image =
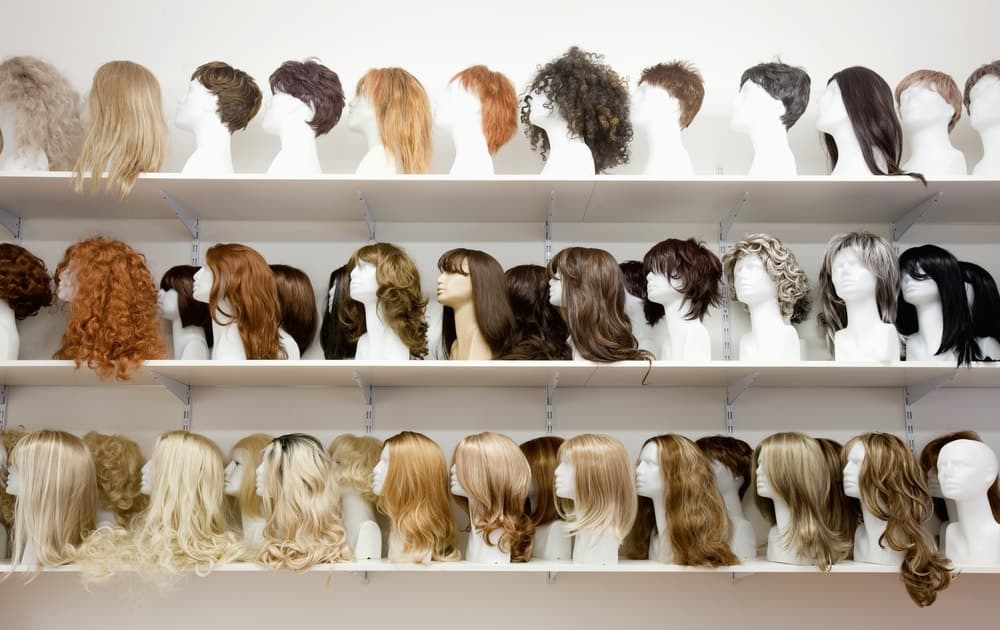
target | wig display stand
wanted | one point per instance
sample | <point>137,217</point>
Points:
<point>368,395</point>
<point>13,224</point>
<point>182,392</point>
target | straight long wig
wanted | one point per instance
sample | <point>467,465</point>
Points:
<point>489,299</point>
<point>298,304</point>
<point>541,329</point>
<point>842,519</point>
<point>333,337</point>
<point>984,303</point>
<point>403,113</point>
<point>542,454</point>
<point>605,486</point>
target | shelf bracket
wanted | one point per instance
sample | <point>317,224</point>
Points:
<point>13,224</point>
<point>901,225</point>
<point>552,576</point>
<point>368,395</point>
<point>549,212</point>
<point>724,226</point>
<point>191,222</point>
<point>914,393</point>
<point>183,393</point>
<point>727,221</point>
<point>364,576</point>
<point>550,402</point>
<point>3,408</point>
<point>733,391</point>
<point>368,215</point>
<point>738,576</point>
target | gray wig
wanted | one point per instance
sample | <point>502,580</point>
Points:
<point>785,83</point>
<point>781,266</point>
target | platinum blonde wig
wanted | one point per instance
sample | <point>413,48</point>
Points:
<point>251,450</point>
<point>353,458</point>
<point>605,485</point>
<point>781,266</point>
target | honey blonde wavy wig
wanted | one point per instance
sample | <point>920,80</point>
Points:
<point>605,485</point>
<point>403,113</point>
<point>353,458</point>
<point>118,462</point>
<point>251,450</point>
<point>781,266</point>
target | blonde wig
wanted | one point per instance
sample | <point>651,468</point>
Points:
<point>605,485</point>
<point>495,474</point>
<point>698,525</point>
<point>543,456</point>
<point>57,504</point>
<point>251,448</point>
<point>118,462</point>
<point>301,505</point>
<point>498,99</point>
<point>415,498</point>
<point>782,267</point>
<point>127,133</point>
<point>9,439</point>
<point>47,110</point>
<point>797,471</point>
<point>403,113</point>
<point>354,457</point>
<point>893,489</point>
<point>938,82</point>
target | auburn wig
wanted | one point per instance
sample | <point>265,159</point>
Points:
<point>542,331</point>
<point>298,304</point>
<point>782,267</point>
<point>542,454</point>
<point>894,490</point>
<point>605,486</point>
<point>928,462</point>
<point>24,281</point>
<point>315,85</point>
<point>237,93</point>
<point>733,453</point>
<point>938,82</point>
<point>985,303</point>
<point>591,98</point>
<point>127,133</point>
<point>251,450</point>
<point>353,458</point>
<point>698,269</point>
<point>842,519</point>
<point>415,498</point>
<point>593,305</point>
<point>494,316</point>
<point>47,109</point>
<point>118,462</point>
<point>403,114</point>
<point>113,317</point>
<point>987,69</point>
<point>495,474</point>
<point>8,439</point>
<point>400,301</point>
<point>682,81</point>
<point>784,83</point>
<point>333,337</point>
<point>180,278</point>
<point>498,99</point>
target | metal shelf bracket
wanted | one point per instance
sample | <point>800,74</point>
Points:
<point>550,402</point>
<point>364,576</point>
<point>914,393</point>
<point>190,221</point>
<point>733,391</point>
<point>549,212</point>
<point>727,222</point>
<point>3,408</point>
<point>13,224</point>
<point>901,225</point>
<point>552,577</point>
<point>368,215</point>
<point>368,395</point>
<point>182,391</point>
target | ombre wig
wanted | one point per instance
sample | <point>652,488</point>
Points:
<point>353,458</point>
<point>498,100</point>
<point>605,486</point>
<point>781,266</point>
<point>118,462</point>
<point>489,299</point>
<point>403,114</point>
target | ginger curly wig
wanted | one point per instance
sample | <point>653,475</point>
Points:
<point>24,281</point>
<point>119,474</point>
<point>114,322</point>
<point>593,100</point>
<point>781,266</point>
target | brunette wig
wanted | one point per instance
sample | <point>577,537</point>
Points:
<point>315,85</point>
<point>985,304</point>
<point>336,343</point>
<point>841,517</point>
<point>237,93</point>
<point>403,113</point>
<point>543,333</point>
<point>635,284</point>
<point>591,98</point>
<point>939,82</point>
<point>180,278</point>
<point>498,99</point>
<point>991,69</point>
<point>699,270</point>
<point>785,83</point>
<point>24,281</point>
<point>489,298</point>
<point>247,285</point>
<point>732,453</point>
<point>682,81</point>
<point>400,300</point>
<point>928,462</point>
<point>937,264</point>
<point>113,318</point>
<point>298,304</point>
<point>543,457</point>
<point>781,266</point>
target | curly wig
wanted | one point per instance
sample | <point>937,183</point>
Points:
<point>247,286</point>
<point>298,304</point>
<point>237,93</point>
<point>251,448</point>
<point>987,69</point>
<point>489,298</point>
<point>697,267</point>
<point>591,98</point>
<point>785,83</point>
<point>498,98</point>
<point>315,85</point>
<point>47,107</point>
<point>127,133</point>
<point>928,462</point>
<point>113,319</point>
<point>180,278</point>
<point>938,82</point>
<point>24,281</point>
<point>543,456</point>
<point>118,461</point>
<point>333,337</point>
<point>605,486</point>
<point>400,301</point>
<point>682,81</point>
<point>403,113</point>
<point>733,453</point>
<point>542,331</point>
<point>9,439</point>
<point>781,266</point>
<point>354,457</point>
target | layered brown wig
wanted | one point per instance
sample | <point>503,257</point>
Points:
<point>180,278</point>
<point>333,337</point>
<point>489,298</point>
<point>315,85</point>
<point>697,267</point>
<point>543,456</point>
<point>541,330</point>
<point>939,82</point>
<point>118,461</point>
<point>24,281</point>
<point>781,266</point>
<point>237,93</point>
<point>733,453</point>
<point>992,68</point>
<point>298,304</point>
<point>591,98</point>
<point>841,517</point>
<point>682,81</point>
<point>635,284</point>
<point>928,462</point>
<point>403,113</point>
<point>113,317</point>
<point>498,98</point>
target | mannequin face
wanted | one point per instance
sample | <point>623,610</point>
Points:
<point>456,104</point>
<point>921,107</point>
<point>456,487</point>
<point>204,278</point>
<point>380,471</point>
<point>653,103</point>
<point>565,480</point>
<point>832,112</point>
<point>541,114</point>
<point>454,289</point>
<point>663,289</point>
<point>198,104</point>
<point>852,279</point>
<point>754,104</point>
<point>752,281</point>
<point>283,109</point>
<point>725,479</point>
<point>260,475</point>
<point>852,470</point>
<point>556,290</point>
<point>146,478</point>
<point>984,103</point>
<point>648,477</point>
<point>167,301</point>
<point>966,469</point>
<point>67,285</point>
<point>13,481</point>
<point>364,286</point>
<point>360,113</point>
<point>234,472</point>
<point>764,487</point>
<point>919,292</point>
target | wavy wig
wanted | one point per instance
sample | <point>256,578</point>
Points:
<point>542,332</point>
<point>118,462</point>
<point>842,519</point>
<point>403,114</point>
<point>542,454</point>
<point>784,83</point>
<point>333,337</point>
<point>782,267</point>
<point>494,315</point>
<point>24,281</point>
<point>682,81</point>
<point>237,93</point>
<point>315,85</point>
<point>928,462</point>
<point>698,269</point>
<point>250,450</point>
<point>605,486</point>
<point>353,458</point>
<point>987,69</point>
<point>180,278</point>
<point>498,99</point>
<point>938,82</point>
<point>733,453</point>
<point>298,304</point>
<point>985,302</point>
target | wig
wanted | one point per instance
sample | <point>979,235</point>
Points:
<point>180,278</point>
<point>494,316</point>
<point>403,113</point>
<point>298,304</point>
<point>301,505</point>
<point>56,506</point>
<point>9,439</point>
<point>315,85</point>
<point>543,333</point>
<point>498,98</point>
<point>237,93</point>
<point>698,269</point>
<point>930,262</point>
<point>543,456</point>
<point>47,108</point>
<point>605,486</point>
<point>987,69</point>
<point>126,134</point>
<point>782,267</point>
<point>635,284</point>
<point>797,470</point>
<point>894,490</point>
<point>928,462</point>
<point>332,335</point>
<point>591,98</point>
<point>415,498</point>
<point>400,301</point>
<point>985,304</point>
<point>698,525</point>
<point>113,319</point>
<point>841,518</point>
<point>252,447</point>
<point>938,82</point>
<point>24,281</point>
<point>784,83</point>
<point>353,458</point>
<point>247,286</point>
<point>682,81</point>
<point>878,256</point>
<point>732,453</point>
<point>593,305</point>
<point>118,462</point>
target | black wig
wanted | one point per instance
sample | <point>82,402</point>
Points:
<point>985,303</point>
<point>332,336</point>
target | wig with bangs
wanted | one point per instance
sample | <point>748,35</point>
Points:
<point>543,456</point>
<point>353,458</point>
<point>315,85</point>
<point>24,281</point>
<point>605,486</point>
<point>333,336</point>
<point>494,316</point>
<point>298,304</point>
<point>938,82</point>
<point>118,462</point>
<point>180,278</point>
<point>498,100</point>
<point>682,81</point>
<point>781,266</point>
<point>403,114</point>
<point>733,453</point>
<point>698,269</point>
<point>542,331</point>
<point>251,450</point>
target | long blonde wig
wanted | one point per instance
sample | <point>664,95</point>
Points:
<point>353,458</point>
<point>403,113</point>
<point>118,462</point>
<point>252,449</point>
<point>301,505</point>
<point>605,485</point>
<point>415,498</point>
<point>126,133</point>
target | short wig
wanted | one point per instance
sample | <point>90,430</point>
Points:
<point>782,267</point>
<point>542,454</point>
<point>118,462</point>
<point>47,109</point>
<point>605,486</point>
<point>315,85</point>
<point>733,453</point>
<point>987,69</point>
<point>542,331</point>
<point>237,93</point>
<point>498,98</point>
<point>939,82</point>
<point>928,462</point>
<point>180,278</point>
<point>298,304</point>
<point>785,83</point>
<point>489,298</point>
<point>682,81</point>
<point>697,267</point>
<point>24,281</point>
<point>985,305</point>
<point>591,98</point>
<point>354,458</point>
<point>333,336</point>
<point>403,114</point>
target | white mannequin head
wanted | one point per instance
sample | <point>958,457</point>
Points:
<point>199,104</point>
<point>234,472</point>
<point>752,282</point>
<point>984,103</point>
<point>13,481</point>
<point>364,285</point>
<point>921,107</point>
<point>167,301</point>
<point>851,277</point>
<point>361,114</point>
<point>852,470</point>
<point>455,289</point>
<point>555,290</point>
<point>380,471</point>
<point>832,115</point>
<point>662,289</point>
<point>724,478</point>
<point>764,487</point>
<point>67,285</point>
<point>919,292</point>
<point>456,486</point>
<point>565,480</point>
<point>648,476</point>
<point>260,472</point>
<point>653,103</point>
<point>543,112</point>
<point>753,103</point>
<point>284,110</point>
<point>966,469</point>
<point>203,279</point>
<point>146,478</point>
<point>457,105</point>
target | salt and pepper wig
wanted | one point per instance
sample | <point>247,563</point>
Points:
<point>353,458</point>
<point>542,454</point>
<point>315,85</point>
<point>782,267</point>
<point>605,486</point>
<point>403,113</point>
<point>938,82</point>
<point>489,298</point>
<point>113,319</point>
<point>784,83</point>
<point>682,81</point>
<point>237,93</point>
<point>333,336</point>
<point>251,448</point>
<point>987,69</point>
<point>126,133</point>
<point>591,98</point>
<point>118,462</point>
<point>498,100</point>
<point>697,267</point>
<point>928,462</point>
<point>180,278</point>
<point>542,331</point>
<point>733,453</point>
<point>985,303</point>
<point>24,281</point>
<point>298,304</point>
<point>47,109</point>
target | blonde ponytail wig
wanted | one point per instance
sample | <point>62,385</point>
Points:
<point>252,448</point>
<point>403,113</point>
<point>353,458</point>
<point>118,462</point>
<point>605,485</point>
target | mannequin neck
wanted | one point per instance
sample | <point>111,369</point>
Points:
<point>770,143</point>
<point>227,343</point>
<point>675,315</point>
<point>972,515</point>
<point>930,323</point>
<point>211,134</point>
<point>991,144</point>
<point>660,511</point>
<point>471,147</point>
<point>7,319</point>
<point>765,315</point>
<point>731,497</point>
<point>930,140</point>
<point>850,158</point>
<point>782,516</point>
<point>253,530</point>
<point>862,313</point>
<point>666,149</point>
<point>298,137</point>
<point>356,510</point>
<point>469,342</point>
<point>213,153</point>
<point>568,154</point>
<point>874,526</point>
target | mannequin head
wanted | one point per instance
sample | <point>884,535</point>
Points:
<point>176,299</point>
<point>594,472</point>
<point>928,97</point>
<point>333,336</point>
<point>310,83</point>
<point>298,304</point>
<point>117,461</point>
<point>842,518</point>
<point>403,114</point>
<point>967,469</point>
<point>543,456</point>
<point>8,439</point>
<point>353,458</point>
<point>46,107</point>
<point>984,300</point>
<point>730,460</point>
<point>593,100</point>
<point>487,93</point>
<point>127,132</point>
<point>220,89</point>
<point>24,281</point>
<point>928,462</point>
<point>472,275</point>
<point>770,90</point>
<point>396,286</point>
<point>635,286</point>
<point>684,88</point>
<point>241,482</point>
<point>113,321</point>
<point>538,322</point>
<point>759,267</point>
<point>683,270</point>
<point>982,96</point>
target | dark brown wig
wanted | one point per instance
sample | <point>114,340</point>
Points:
<point>314,84</point>
<point>543,458</point>
<point>732,453</point>
<point>542,332</point>
<point>843,519</point>
<point>24,281</point>
<point>180,278</point>
<point>785,83</point>
<point>635,284</point>
<point>298,304</point>
<point>489,298</point>
<point>697,267</point>
<point>929,459</point>
<point>682,81</point>
<point>238,95</point>
<point>336,343</point>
